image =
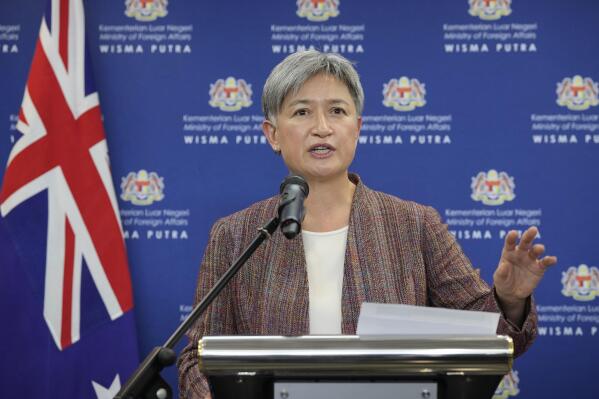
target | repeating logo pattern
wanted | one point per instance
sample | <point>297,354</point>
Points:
<point>142,188</point>
<point>404,94</point>
<point>317,10</point>
<point>508,386</point>
<point>493,188</point>
<point>146,10</point>
<point>490,10</point>
<point>581,283</point>
<point>577,94</point>
<point>230,94</point>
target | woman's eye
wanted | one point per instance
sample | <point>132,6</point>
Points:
<point>301,112</point>
<point>339,111</point>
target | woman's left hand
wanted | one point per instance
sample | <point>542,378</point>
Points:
<point>520,270</point>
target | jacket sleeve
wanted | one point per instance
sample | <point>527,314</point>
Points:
<point>218,319</point>
<point>453,283</point>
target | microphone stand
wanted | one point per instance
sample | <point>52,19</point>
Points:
<point>146,381</point>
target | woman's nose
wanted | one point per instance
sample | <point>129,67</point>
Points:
<point>322,127</point>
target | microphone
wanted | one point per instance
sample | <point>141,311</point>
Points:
<point>294,191</point>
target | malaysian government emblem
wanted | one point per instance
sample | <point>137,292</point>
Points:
<point>146,10</point>
<point>508,386</point>
<point>490,10</point>
<point>577,94</point>
<point>142,188</point>
<point>230,94</point>
<point>404,94</point>
<point>581,283</point>
<point>317,10</point>
<point>492,188</point>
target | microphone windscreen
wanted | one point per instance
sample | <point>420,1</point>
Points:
<point>295,179</point>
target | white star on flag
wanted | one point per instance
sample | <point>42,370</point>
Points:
<point>110,393</point>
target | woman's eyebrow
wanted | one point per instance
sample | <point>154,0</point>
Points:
<point>306,101</point>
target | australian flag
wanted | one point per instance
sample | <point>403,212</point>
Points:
<point>66,303</point>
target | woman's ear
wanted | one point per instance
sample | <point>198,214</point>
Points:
<point>270,131</point>
<point>359,127</point>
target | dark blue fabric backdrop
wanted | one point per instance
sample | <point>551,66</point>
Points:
<point>503,134</point>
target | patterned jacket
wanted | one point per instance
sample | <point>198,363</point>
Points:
<point>397,252</point>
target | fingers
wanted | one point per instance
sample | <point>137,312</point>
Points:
<point>548,261</point>
<point>510,240</point>
<point>536,251</point>
<point>527,238</point>
<point>525,241</point>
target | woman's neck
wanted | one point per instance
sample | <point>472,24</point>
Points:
<point>328,205</point>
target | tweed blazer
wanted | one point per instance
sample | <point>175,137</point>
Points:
<point>397,252</point>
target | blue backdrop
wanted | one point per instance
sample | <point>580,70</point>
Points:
<point>485,109</point>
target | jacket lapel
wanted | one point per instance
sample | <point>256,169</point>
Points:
<point>288,293</point>
<point>354,290</point>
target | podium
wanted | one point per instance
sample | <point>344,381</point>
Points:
<point>347,366</point>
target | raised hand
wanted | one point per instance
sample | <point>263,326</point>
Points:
<point>520,270</point>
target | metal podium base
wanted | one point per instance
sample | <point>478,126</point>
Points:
<point>315,367</point>
<point>358,390</point>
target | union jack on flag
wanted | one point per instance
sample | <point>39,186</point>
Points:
<point>57,187</point>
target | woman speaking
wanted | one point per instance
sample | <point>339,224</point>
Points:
<point>356,244</point>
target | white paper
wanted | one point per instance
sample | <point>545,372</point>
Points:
<point>394,319</point>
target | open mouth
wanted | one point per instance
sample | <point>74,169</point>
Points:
<point>321,149</point>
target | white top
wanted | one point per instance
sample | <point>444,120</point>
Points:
<point>325,257</point>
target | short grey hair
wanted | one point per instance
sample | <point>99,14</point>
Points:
<point>290,75</point>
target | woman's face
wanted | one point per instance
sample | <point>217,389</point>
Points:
<point>317,129</point>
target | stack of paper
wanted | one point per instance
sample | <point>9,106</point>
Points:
<point>393,319</point>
